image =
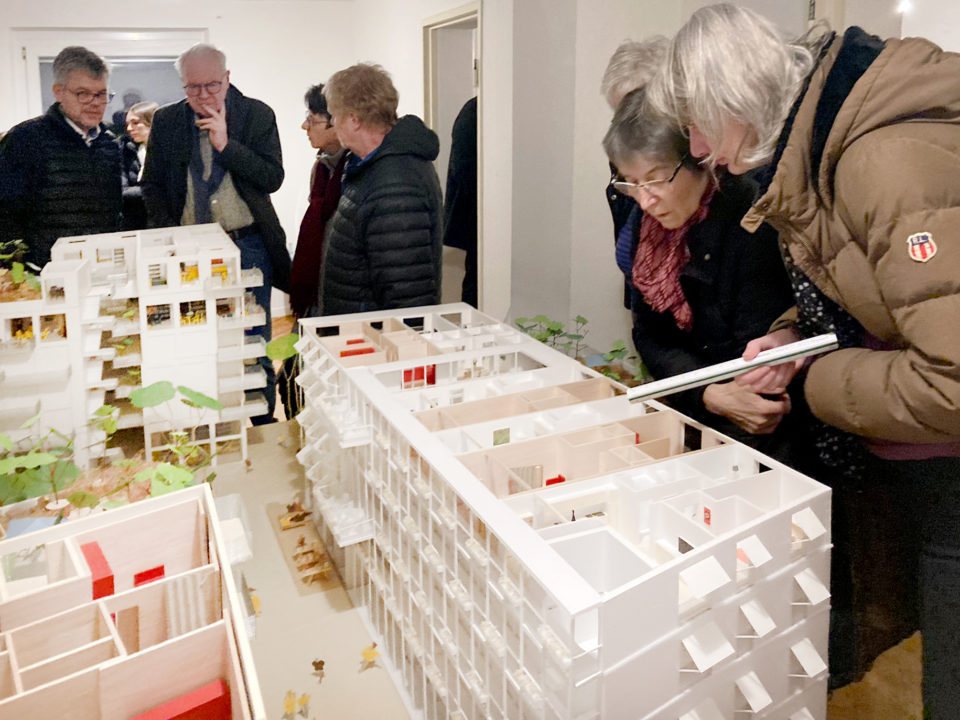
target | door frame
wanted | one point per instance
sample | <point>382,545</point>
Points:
<point>463,15</point>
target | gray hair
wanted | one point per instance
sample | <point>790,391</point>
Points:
<point>728,63</point>
<point>638,129</point>
<point>75,58</point>
<point>632,65</point>
<point>200,50</point>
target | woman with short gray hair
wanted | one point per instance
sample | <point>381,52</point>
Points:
<point>864,187</point>
<point>700,286</point>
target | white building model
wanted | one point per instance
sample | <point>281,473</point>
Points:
<point>128,614</point>
<point>120,311</point>
<point>529,544</point>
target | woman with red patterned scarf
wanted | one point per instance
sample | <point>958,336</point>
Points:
<point>701,286</point>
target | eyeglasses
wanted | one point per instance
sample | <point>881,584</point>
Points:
<point>212,88</point>
<point>651,186</point>
<point>313,119</point>
<point>85,97</point>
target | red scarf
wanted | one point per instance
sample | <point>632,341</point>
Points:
<point>661,255</point>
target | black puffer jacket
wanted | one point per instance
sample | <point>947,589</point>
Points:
<point>53,185</point>
<point>383,244</point>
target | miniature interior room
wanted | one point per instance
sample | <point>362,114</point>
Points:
<point>158,627</point>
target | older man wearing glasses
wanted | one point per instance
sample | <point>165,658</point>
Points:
<point>215,157</point>
<point>60,172</point>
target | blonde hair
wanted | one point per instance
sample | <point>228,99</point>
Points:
<point>365,90</point>
<point>144,111</point>
<point>631,66</point>
<point>729,63</point>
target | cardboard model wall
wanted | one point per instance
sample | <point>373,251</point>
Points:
<point>74,647</point>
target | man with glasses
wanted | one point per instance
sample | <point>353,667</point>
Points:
<point>60,172</point>
<point>215,157</point>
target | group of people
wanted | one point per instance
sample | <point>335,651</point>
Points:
<point>768,190</point>
<point>764,190</point>
<point>371,237</point>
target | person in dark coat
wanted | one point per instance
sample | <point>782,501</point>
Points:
<point>215,157</point>
<point>383,244</point>
<point>60,172</point>
<point>133,151</point>
<point>325,183</point>
<point>701,287</point>
<point>460,201</point>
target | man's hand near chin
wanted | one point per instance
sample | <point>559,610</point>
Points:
<point>215,122</point>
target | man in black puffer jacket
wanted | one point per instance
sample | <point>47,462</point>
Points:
<point>60,172</point>
<point>383,245</point>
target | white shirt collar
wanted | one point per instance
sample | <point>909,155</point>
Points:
<point>88,137</point>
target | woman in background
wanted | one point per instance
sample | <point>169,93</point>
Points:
<point>133,147</point>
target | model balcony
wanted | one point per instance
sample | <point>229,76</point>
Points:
<point>253,346</point>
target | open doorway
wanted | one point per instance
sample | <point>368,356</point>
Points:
<point>451,46</point>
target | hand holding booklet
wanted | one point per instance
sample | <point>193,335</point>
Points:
<point>731,368</point>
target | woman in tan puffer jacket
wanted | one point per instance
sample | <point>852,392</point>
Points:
<point>862,138</point>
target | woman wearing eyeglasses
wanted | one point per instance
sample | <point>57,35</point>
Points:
<point>701,287</point>
<point>862,137</point>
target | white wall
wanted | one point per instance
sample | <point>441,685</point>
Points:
<point>879,17</point>
<point>275,50</point>
<point>497,154</point>
<point>936,20</point>
<point>789,15</point>
<point>596,289</point>
<point>544,106</point>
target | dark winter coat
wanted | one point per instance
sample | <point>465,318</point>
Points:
<point>460,200</point>
<point>305,271</point>
<point>736,285</point>
<point>53,185</point>
<point>383,245</point>
<point>621,207</point>
<point>252,157</point>
<point>134,210</point>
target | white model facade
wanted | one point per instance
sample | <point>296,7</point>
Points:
<point>125,613</point>
<point>120,311</point>
<point>529,544</point>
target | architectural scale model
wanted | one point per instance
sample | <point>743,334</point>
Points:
<point>529,544</point>
<point>123,310</point>
<point>133,613</point>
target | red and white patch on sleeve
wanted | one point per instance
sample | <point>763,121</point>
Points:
<point>921,246</point>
